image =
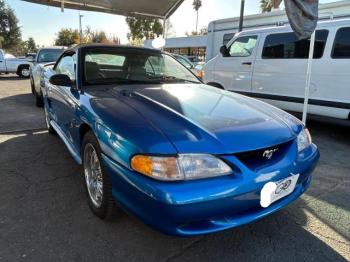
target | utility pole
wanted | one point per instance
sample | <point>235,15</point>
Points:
<point>80,28</point>
<point>240,28</point>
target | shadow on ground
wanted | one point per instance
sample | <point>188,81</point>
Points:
<point>19,112</point>
<point>11,77</point>
<point>45,216</point>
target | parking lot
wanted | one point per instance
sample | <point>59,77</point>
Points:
<point>44,214</point>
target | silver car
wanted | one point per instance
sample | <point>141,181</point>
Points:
<point>44,58</point>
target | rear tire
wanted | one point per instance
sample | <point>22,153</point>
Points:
<point>97,182</point>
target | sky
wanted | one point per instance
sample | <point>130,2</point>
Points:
<point>43,22</point>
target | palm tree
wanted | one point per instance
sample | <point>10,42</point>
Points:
<point>196,5</point>
<point>267,5</point>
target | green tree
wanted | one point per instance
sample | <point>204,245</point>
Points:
<point>267,5</point>
<point>91,36</point>
<point>67,37</point>
<point>143,28</point>
<point>31,45</point>
<point>196,5</point>
<point>10,32</point>
<point>203,31</point>
<point>99,37</point>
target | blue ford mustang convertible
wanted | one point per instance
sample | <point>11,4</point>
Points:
<point>184,157</point>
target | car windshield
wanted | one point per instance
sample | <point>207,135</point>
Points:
<point>49,55</point>
<point>133,66</point>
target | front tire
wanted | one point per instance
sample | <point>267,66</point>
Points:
<point>23,71</point>
<point>97,181</point>
<point>48,125</point>
<point>32,85</point>
<point>39,101</point>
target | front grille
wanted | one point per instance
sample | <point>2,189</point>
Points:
<point>264,157</point>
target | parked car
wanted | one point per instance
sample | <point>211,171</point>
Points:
<point>184,157</point>
<point>11,64</point>
<point>194,60</point>
<point>30,56</point>
<point>44,58</point>
<point>270,64</point>
<point>196,69</point>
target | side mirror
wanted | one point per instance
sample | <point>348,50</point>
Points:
<point>224,51</point>
<point>61,80</point>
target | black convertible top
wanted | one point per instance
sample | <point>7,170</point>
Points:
<point>84,47</point>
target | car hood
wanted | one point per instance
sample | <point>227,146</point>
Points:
<point>202,119</point>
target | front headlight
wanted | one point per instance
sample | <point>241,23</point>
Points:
<point>183,167</point>
<point>304,139</point>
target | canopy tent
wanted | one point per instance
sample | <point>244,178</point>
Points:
<point>150,8</point>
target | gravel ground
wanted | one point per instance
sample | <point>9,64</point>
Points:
<point>44,214</point>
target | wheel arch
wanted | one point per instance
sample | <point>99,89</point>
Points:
<point>215,84</point>
<point>83,129</point>
<point>19,68</point>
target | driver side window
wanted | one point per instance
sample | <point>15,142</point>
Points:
<point>67,66</point>
<point>243,46</point>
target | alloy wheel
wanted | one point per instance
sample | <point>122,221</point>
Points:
<point>93,175</point>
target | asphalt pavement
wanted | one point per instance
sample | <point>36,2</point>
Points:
<point>44,214</point>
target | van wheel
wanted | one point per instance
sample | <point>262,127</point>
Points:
<point>216,85</point>
<point>23,71</point>
<point>97,182</point>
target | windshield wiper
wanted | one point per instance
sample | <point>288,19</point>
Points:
<point>115,80</point>
<point>172,79</point>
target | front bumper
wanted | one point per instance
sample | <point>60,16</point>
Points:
<point>209,205</point>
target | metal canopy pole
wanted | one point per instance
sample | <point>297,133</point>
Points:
<point>240,28</point>
<point>164,29</point>
<point>308,76</point>
<point>80,28</point>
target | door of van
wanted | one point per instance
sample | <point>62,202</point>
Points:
<point>234,72</point>
<point>280,68</point>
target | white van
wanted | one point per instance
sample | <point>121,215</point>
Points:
<point>270,64</point>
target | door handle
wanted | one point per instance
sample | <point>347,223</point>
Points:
<point>247,63</point>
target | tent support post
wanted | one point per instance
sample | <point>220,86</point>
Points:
<point>164,28</point>
<point>308,76</point>
<point>240,28</point>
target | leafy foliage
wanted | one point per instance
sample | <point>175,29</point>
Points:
<point>10,32</point>
<point>30,44</point>
<point>67,37</point>
<point>196,5</point>
<point>203,31</point>
<point>144,28</point>
<point>91,36</point>
<point>268,5</point>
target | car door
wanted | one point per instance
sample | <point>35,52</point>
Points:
<point>64,100</point>
<point>235,71</point>
<point>280,68</point>
<point>2,63</point>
